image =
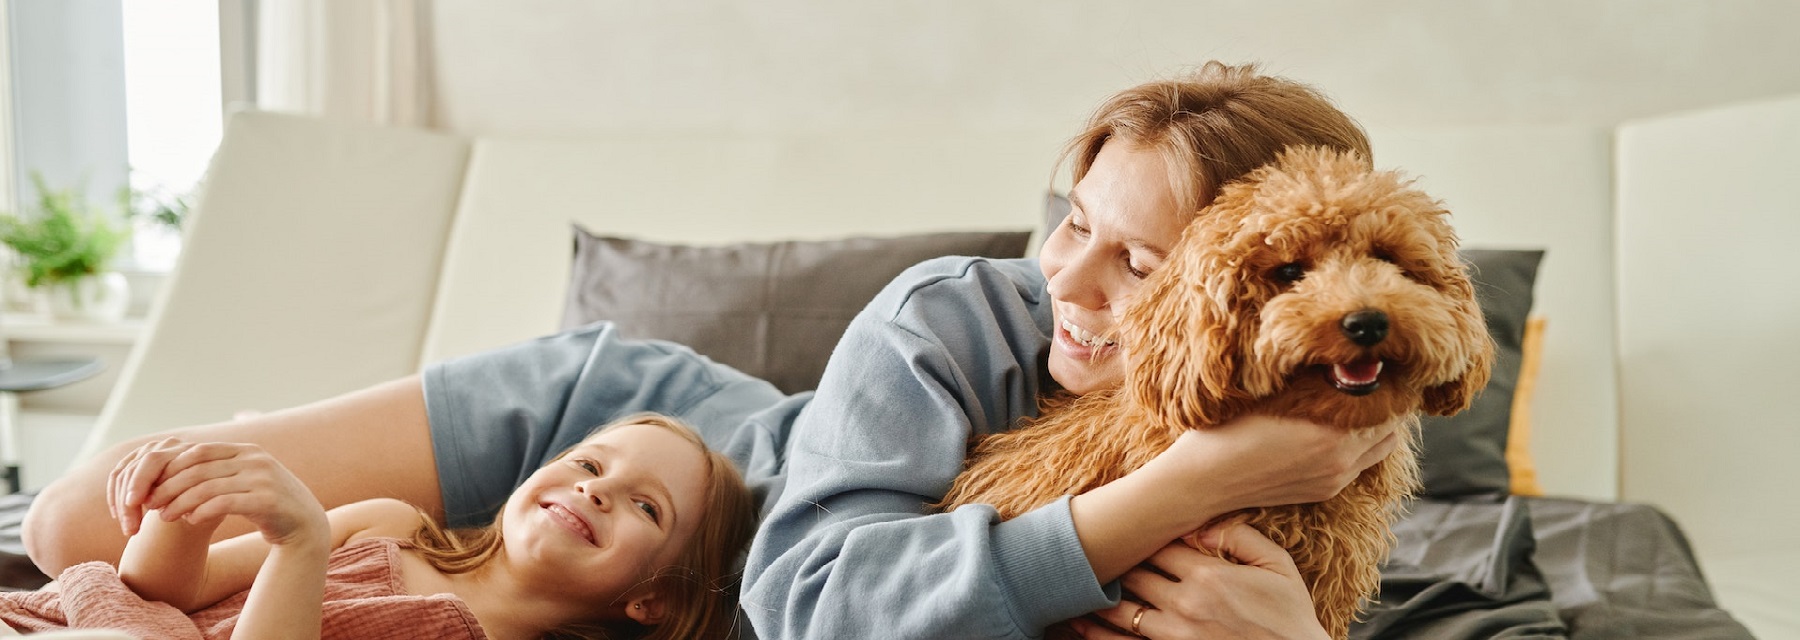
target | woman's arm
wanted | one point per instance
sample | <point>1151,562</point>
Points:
<point>951,351</point>
<point>367,444</point>
<point>1252,461</point>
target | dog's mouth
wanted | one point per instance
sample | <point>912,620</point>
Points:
<point>1358,378</point>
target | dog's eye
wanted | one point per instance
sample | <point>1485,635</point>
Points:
<point>1289,273</point>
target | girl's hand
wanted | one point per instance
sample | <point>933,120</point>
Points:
<point>1262,461</point>
<point>202,483</point>
<point>1254,591</point>
<point>134,476</point>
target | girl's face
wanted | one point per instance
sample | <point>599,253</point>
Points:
<point>1123,223</point>
<point>609,513</point>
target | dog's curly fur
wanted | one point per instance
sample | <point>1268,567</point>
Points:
<point>1224,329</point>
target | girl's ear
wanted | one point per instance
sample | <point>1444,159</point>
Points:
<point>646,609</point>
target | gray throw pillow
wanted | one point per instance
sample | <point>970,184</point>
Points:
<point>772,310</point>
<point>1464,454</point>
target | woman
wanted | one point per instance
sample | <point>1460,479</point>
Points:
<point>953,348</point>
<point>964,346</point>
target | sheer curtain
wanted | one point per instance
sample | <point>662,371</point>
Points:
<point>357,59</point>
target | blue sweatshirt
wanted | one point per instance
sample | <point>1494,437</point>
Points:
<point>953,348</point>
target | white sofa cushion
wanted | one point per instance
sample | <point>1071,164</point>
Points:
<point>307,271</point>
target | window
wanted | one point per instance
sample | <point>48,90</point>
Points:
<point>172,107</point>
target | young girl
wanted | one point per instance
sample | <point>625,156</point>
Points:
<point>630,533</point>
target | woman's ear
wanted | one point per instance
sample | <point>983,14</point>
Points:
<point>646,609</point>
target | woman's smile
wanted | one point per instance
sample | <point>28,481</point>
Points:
<point>1123,219</point>
<point>1080,343</point>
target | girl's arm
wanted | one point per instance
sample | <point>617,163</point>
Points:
<point>165,563</point>
<point>287,592</point>
<point>190,489</point>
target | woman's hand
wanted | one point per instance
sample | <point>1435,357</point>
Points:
<point>1254,461</point>
<point>1253,591</point>
<point>202,483</point>
<point>1262,461</point>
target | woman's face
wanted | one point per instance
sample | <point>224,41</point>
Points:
<point>1123,223</point>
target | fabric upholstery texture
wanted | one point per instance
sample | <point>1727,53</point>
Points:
<point>772,310</point>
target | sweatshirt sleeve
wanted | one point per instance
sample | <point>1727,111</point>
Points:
<point>951,350</point>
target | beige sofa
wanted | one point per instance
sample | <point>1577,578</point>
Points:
<point>326,256</point>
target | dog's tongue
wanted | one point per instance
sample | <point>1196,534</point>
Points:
<point>1357,373</point>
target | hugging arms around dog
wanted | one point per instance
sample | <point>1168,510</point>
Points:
<point>954,348</point>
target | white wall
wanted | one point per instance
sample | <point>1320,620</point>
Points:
<point>1709,211</point>
<point>1505,108</point>
<point>1549,187</point>
<point>593,65</point>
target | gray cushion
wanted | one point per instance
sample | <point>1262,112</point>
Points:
<point>1056,207</point>
<point>771,310</point>
<point>1464,454</point>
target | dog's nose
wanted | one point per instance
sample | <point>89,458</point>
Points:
<point>1367,327</point>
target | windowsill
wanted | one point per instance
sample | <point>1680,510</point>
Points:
<point>37,327</point>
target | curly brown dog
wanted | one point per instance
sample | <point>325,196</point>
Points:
<point>1314,288</point>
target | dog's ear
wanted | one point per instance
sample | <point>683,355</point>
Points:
<point>1183,335</point>
<point>1454,396</point>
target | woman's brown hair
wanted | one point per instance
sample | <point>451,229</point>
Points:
<point>1216,124</point>
<point>700,590</point>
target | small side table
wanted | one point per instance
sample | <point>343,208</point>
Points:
<point>30,375</point>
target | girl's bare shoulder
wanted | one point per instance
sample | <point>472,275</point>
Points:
<point>375,518</point>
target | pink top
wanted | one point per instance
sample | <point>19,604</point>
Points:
<point>364,598</point>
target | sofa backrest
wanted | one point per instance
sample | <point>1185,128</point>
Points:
<point>306,272</point>
<point>506,264</point>
<point>325,256</point>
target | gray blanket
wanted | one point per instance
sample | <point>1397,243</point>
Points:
<point>1543,568</point>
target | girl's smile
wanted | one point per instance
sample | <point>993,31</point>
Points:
<point>574,523</point>
<point>609,510</point>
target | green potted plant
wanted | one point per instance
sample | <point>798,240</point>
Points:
<point>65,247</point>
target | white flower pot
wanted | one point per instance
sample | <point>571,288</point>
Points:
<point>97,298</point>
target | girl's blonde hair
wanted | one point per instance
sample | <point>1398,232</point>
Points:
<point>1214,125</point>
<point>699,591</point>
